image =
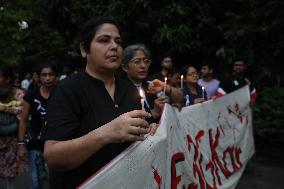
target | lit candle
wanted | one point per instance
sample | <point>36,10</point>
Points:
<point>203,95</point>
<point>165,86</point>
<point>142,98</point>
<point>181,81</point>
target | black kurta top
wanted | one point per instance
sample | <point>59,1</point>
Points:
<point>80,104</point>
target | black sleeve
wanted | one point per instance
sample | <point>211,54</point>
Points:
<point>63,116</point>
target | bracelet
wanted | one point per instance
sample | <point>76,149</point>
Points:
<point>20,142</point>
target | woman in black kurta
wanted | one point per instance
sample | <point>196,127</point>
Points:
<point>93,116</point>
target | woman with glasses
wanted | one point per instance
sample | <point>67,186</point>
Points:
<point>135,63</point>
<point>193,93</point>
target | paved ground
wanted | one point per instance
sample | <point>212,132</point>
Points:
<point>267,170</point>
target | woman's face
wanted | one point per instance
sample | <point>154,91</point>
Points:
<point>138,66</point>
<point>105,49</point>
<point>191,75</point>
<point>47,77</point>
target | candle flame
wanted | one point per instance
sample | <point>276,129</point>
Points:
<point>166,79</point>
<point>141,93</point>
<point>181,76</point>
<point>203,88</point>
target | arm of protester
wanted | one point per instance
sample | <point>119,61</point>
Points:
<point>175,93</point>
<point>69,154</point>
<point>159,104</point>
<point>24,115</point>
<point>198,100</point>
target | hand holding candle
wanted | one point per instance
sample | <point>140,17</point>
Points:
<point>203,93</point>
<point>165,85</point>
<point>142,99</point>
<point>181,81</point>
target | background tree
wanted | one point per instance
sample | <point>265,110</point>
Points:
<point>189,30</point>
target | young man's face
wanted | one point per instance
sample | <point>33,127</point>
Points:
<point>205,71</point>
<point>239,67</point>
<point>47,77</point>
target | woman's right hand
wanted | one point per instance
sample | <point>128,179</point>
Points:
<point>130,126</point>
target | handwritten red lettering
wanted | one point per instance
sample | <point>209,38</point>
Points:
<point>175,180</point>
<point>157,177</point>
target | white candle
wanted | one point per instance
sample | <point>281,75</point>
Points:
<point>203,95</point>
<point>165,86</point>
<point>142,99</point>
<point>181,81</point>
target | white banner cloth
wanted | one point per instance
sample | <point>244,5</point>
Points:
<point>204,146</point>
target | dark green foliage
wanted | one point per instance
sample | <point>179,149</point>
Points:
<point>189,30</point>
<point>269,114</point>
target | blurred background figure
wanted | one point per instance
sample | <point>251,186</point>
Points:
<point>67,71</point>
<point>174,77</point>
<point>207,80</point>
<point>166,64</point>
<point>33,124</point>
<point>26,81</point>
<point>236,80</point>
<point>193,93</point>
<point>34,82</point>
<point>10,105</point>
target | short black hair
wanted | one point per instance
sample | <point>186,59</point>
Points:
<point>239,58</point>
<point>207,63</point>
<point>47,64</point>
<point>90,28</point>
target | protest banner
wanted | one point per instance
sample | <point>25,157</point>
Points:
<point>205,146</point>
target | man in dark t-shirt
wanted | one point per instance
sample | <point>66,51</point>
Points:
<point>236,80</point>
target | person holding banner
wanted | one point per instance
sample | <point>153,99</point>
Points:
<point>93,116</point>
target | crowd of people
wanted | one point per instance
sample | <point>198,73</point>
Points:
<point>77,123</point>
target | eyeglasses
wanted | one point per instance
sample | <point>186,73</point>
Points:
<point>192,74</point>
<point>138,62</point>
